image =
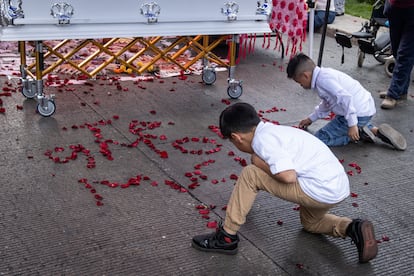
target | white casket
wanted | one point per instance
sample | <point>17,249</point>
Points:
<point>143,22</point>
<point>79,19</point>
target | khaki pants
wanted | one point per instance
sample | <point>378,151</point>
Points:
<point>313,214</point>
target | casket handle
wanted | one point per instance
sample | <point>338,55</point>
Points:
<point>230,9</point>
<point>10,10</point>
<point>63,12</point>
<point>263,8</point>
<point>151,11</point>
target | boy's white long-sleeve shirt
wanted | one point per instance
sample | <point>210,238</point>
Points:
<point>341,94</point>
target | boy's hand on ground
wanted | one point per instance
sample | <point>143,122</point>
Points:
<point>305,123</point>
<point>353,133</point>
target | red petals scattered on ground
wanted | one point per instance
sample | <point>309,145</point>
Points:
<point>356,166</point>
<point>261,114</point>
<point>204,210</point>
<point>196,146</point>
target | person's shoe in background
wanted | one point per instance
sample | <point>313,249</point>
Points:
<point>388,103</point>
<point>383,95</point>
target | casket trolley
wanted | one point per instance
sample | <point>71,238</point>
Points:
<point>195,25</point>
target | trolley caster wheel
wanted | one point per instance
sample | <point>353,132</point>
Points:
<point>235,91</point>
<point>28,89</point>
<point>389,67</point>
<point>47,110</point>
<point>361,57</point>
<point>209,76</point>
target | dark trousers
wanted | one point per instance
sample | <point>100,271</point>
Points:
<point>402,44</point>
<point>320,18</point>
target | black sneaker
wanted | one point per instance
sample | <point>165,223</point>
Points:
<point>220,242</point>
<point>363,236</point>
<point>392,137</point>
<point>365,134</point>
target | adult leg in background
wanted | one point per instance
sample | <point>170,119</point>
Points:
<point>402,43</point>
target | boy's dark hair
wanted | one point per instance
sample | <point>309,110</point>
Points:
<point>239,117</point>
<point>299,64</point>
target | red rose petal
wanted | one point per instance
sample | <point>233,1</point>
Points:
<point>163,154</point>
<point>113,185</point>
<point>204,211</point>
<point>212,224</point>
<point>193,185</point>
<point>98,197</point>
<point>59,149</point>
